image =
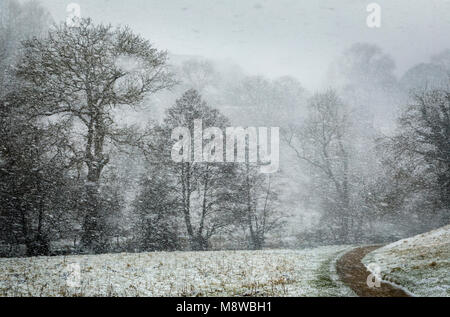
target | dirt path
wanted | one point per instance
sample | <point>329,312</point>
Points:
<point>353,273</point>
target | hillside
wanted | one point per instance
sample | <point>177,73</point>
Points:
<point>420,264</point>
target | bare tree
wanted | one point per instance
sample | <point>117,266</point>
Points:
<point>255,206</point>
<point>197,74</point>
<point>80,75</point>
<point>322,142</point>
<point>201,188</point>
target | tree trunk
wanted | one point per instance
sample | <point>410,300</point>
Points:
<point>199,243</point>
<point>92,239</point>
<point>92,236</point>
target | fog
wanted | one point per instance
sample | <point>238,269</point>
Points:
<point>278,37</point>
<point>362,116</point>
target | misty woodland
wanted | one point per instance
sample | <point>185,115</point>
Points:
<point>76,177</point>
<point>87,116</point>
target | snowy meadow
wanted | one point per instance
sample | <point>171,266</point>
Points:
<point>307,272</point>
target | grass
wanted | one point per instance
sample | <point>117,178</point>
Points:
<point>223,273</point>
<point>420,264</point>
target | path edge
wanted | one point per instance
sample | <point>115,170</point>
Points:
<point>404,289</point>
<point>335,276</point>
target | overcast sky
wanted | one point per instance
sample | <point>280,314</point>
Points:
<point>277,37</point>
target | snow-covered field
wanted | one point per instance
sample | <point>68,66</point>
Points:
<point>420,265</point>
<point>307,272</point>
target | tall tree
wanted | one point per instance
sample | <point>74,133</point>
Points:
<point>81,75</point>
<point>200,187</point>
<point>323,144</point>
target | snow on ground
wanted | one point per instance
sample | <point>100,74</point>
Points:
<point>306,272</point>
<point>420,264</point>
